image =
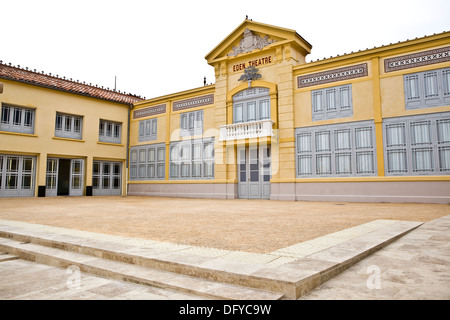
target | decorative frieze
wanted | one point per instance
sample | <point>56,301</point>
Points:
<point>193,102</point>
<point>150,111</point>
<point>340,74</point>
<point>417,59</point>
<point>250,42</point>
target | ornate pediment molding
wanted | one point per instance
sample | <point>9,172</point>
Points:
<point>250,42</point>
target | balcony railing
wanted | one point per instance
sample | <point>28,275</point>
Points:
<point>252,129</point>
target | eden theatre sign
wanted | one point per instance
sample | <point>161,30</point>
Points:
<point>252,63</point>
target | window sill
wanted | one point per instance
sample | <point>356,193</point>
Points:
<point>68,139</point>
<point>19,134</point>
<point>110,144</point>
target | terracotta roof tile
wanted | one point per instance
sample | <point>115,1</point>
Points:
<point>52,82</point>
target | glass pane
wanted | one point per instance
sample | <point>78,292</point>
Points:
<point>133,155</point>
<point>95,182</point>
<point>116,183</point>
<point>77,125</point>
<point>431,89</point>
<point>142,170</point>
<point>317,101</point>
<point>196,169</point>
<point>26,181</point>
<point>116,130</point>
<point>446,75</point>
<point>323,164</point>
<point>331,99</point>
<point>76,182</point>
<point>11,181</point>
<point>238,113</point>
<point>106,168</point>
<point>105,182</point>
<point>58,122</point>
<point>197,151</point>
<point>116,169</point>
<point>5,114</point>
<point>161,154</point>
<point>304,165</point>
<point>251,111</point>
<point>28,121</point>
<point>151,155</point>
<point>443,127</point>
<point>323,141</point>
<point>96,168</point>
<point>304,142</point>
<point>444,158</point>
<point>343,163</point>
<point>17,116</point>
<point>421,132</point>
<point>27,164</point>
<point>76,167</point>
<point>50,182</point>
<point>101,128</point>
<point>185,170</point>
<point>397,160</point>
<point>161,170</point>
<point>141,155</point>
<point>12,164</point>
<point>67,123</point>
<point>363,138</point>
<point>109,129</point>
<point>345,98</point>
<point>342,139</point>
<point>364,162</point>
<point>151,171</point>
<point>264,109</point>
<point>395,135</point>
<point>422,159</point>
<point>412,87</point>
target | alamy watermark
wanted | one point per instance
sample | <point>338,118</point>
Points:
<point>74,279</point>
<point>374,280</point>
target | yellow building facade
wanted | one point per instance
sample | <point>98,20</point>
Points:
<point>61,137</point>
<point>372,125</point>
<point>366,126</point>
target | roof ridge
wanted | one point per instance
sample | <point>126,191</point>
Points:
<point>51,81</point>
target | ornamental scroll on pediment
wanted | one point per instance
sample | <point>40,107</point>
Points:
<point>250,42</point>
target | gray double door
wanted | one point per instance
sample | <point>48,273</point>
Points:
<point>254,172</point>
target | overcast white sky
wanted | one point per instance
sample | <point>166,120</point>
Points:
<point>159,47</point>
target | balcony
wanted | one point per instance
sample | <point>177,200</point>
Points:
<point>245,130</point>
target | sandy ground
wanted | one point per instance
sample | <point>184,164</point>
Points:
<point>259,226</point>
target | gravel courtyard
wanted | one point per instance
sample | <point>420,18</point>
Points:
<point>258,226</point>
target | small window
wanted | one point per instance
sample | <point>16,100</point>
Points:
<point>17,119</point>
<point>331,103</point>
<point>109,131</point>
<point>191,123</point>
<point>148,129</point>
<point>427,89</point>
<point>68,126</point>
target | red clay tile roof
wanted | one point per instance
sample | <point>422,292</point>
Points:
<point>48,81</point>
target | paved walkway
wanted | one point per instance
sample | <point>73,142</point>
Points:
<point>416,266</point>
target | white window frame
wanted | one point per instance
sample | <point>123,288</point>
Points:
<point>109,131</point>
<point>192,159</point>
<point>68,126</point>
<point>427,89</point>
<point>148,129</point>
<point>191,123</point>
<point>148,162</point>
<point>332,102</point>
<point>408,155</point>
<point>252,104</point>
<point>17,119</point>
<point>338,150</point>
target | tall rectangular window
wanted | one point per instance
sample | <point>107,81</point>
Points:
<point>68,126</point>
<point>191,123</point>
<point>417,145</point>
<point>427,89</point>
<point>336,150</point>
<point>17,119</point>
<point>148,129</point>
<point>331,103</point>
<point>192,159</point>
<point>109,131</point>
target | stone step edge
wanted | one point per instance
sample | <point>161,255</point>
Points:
<point>292,283</point>
<point>133,273</point>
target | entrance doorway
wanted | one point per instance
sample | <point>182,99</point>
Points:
<point>254,172</point>
<point>64,177</point>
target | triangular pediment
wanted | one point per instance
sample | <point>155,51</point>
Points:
<point>250,36</point>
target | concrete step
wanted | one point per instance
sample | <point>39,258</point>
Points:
<point>133,273</point>
<point>4,256</point>
<point>290,280</point>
